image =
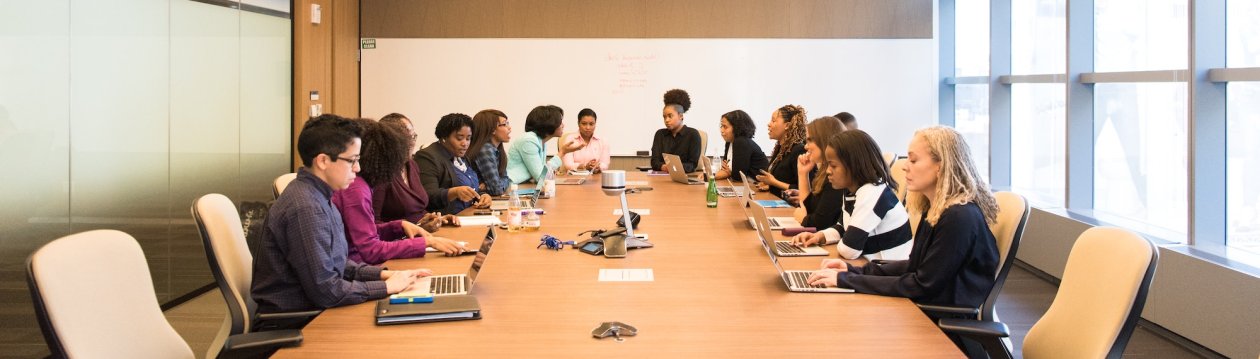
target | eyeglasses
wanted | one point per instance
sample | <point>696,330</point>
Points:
<point>353,161</point>
<point>505,124</point>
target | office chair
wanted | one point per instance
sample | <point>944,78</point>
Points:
<point>1012,216</point>
<point>1099,301</point>
<point>232,266</point>
<point>94,297</point>
<point>889,158</point>
<point>898,172</point>
<point>282,182</point>
<point>704,142</point>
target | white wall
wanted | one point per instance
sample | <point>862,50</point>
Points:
<point>888,84</point>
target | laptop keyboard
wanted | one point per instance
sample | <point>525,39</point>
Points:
<point>787,248</point>
<point>446,284</point>
<point>801,280</point>
<point>774,222</point>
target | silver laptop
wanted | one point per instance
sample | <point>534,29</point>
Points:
<point>571,180</point>
<point>796,280</point>
<point>677,172</point>
<point>783,248</point>
<point>776,223</point>
<point>455,284</point>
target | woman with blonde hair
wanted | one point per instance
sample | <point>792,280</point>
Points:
<point>787,127</point>
<point>954,255</point>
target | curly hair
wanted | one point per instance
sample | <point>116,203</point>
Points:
<point>679,99</point>
<point>741,124</point>
<point>385,150</point>
<point>451,123</point>
<point>794,118</point>
<point>958,181</point>
<point>819,130</point>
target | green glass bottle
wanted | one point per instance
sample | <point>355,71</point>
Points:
<point>711,197</point>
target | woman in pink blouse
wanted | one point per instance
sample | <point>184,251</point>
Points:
<point>594,156</point>
<point>384,151</point>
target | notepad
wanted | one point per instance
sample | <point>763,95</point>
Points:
<point>479,221</point>
<point>640,211</point>
<point>626,275</point>
<point>773,203</point>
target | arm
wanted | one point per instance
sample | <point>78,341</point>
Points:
<point>530,151</point>
<point>658,149</point>
<point>309,252</point>
<point>487,164</point>
<point>822,208</point>
<point>429,171</point>
<point>365,235</point>
<point>942,260</point>
<point>692,157</point>
<point>742,158</point>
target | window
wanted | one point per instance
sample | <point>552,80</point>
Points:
<point>1038,155</point>
<point>1243,129</point>
<point>1140,148</point>
<point>971,101</point>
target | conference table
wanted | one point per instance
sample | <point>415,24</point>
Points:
<point>714,293</point>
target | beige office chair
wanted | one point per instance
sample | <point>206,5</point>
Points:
<point>231,263</point>
<point>889,157</point>
<point>282,182</point>
<point>1008,230</point>
<point>94,297</point>
<point>704,143</point>
<point>898,172</point>
<point>1100,300</point>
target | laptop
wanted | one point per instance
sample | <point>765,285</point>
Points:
<point>570,181</point>
<point>782,248</point>
<point>795,280</point>
<point>678,173</point>
<point>776,223</point>
<point>455,284</point>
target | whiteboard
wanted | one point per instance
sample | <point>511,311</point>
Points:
<point>890,85</point>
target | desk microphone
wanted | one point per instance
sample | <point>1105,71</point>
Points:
<point>613,182</point>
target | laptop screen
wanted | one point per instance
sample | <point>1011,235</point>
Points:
<point>481,256</point>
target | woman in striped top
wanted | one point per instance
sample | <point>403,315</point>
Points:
<point>872,219</point>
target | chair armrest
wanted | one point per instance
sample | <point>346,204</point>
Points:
<point>259,340</point>
<point>945,309</point>
<point>974,328</point>
<point>288,315</point>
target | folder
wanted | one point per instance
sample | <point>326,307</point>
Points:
<point>444,308</point>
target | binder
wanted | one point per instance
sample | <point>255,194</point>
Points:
<point>443,308</point>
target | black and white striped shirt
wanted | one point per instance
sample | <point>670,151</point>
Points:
<point>872,220</point>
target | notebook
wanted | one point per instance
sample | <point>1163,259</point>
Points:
<point>443,309</point>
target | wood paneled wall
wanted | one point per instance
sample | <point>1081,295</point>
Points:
<point>810,19</point>
<point>325,59</point>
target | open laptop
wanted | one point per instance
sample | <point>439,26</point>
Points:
<point>776,223</point>
<point>783,248</point>
<point>677,172</point>
<point>570,180</point>
<point>795,280</point>
<point>454,284</point>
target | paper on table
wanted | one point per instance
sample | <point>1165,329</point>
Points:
<point>461,244</point>
<point>640,211</point>
<point>626,275</point>
<point>636,183</point>
<point>478,221</point>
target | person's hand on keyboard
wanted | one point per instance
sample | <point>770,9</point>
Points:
<point>824,277</point>
<point>807,239</point>
<point>838,264</point>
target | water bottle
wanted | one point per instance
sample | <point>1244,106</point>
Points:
<point>532,220</point>
<point>711,197</point>
<point>514,209</point>
<point>549,182</point>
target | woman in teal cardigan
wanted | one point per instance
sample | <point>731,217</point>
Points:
<point>527,159</point>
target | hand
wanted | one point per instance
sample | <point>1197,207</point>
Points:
<point>592,165</point>
<point>762,186</point>
<point>726,166</point>
<point>451,219</point>
<point>792,196</point>
<point>833,263</point>
<point>573,145</point>
<point>804,165</point>
<point>807,239</point>
<point>398,281</point>
<point>825,277</point>
<point>413,230</point>
<point>445,245</point>
<point>430,222</point>
<point>463,193</point>
<point>769,180</point>
<point>483,201</point>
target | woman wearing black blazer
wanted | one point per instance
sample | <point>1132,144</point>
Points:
<point>741,155</point>
<point>450,179</point>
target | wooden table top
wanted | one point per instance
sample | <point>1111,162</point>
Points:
<point>715,293</point>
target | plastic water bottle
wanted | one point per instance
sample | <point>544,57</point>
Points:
<point>514,209</point>
<point>711,196</point>
<point>549,182</point>
<point>532,220</point>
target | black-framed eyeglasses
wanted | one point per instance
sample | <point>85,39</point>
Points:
<point>353,161</point>
<point>504,124</point>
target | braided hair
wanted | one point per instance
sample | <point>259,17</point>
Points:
<point>794,118</point>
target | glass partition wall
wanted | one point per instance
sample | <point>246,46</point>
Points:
<point>116,115</point>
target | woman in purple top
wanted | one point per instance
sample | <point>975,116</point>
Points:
<point>403,197</point>
<point>382,155</point>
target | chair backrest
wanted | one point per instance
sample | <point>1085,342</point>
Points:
<point>282,182</point>
<point>898,173</point>
<point>889,157</point>
<point>704,143</point>
<point>1008,230</point>
<point>94,297</point>
<point>1100,298</point>
<point>231,263</point>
